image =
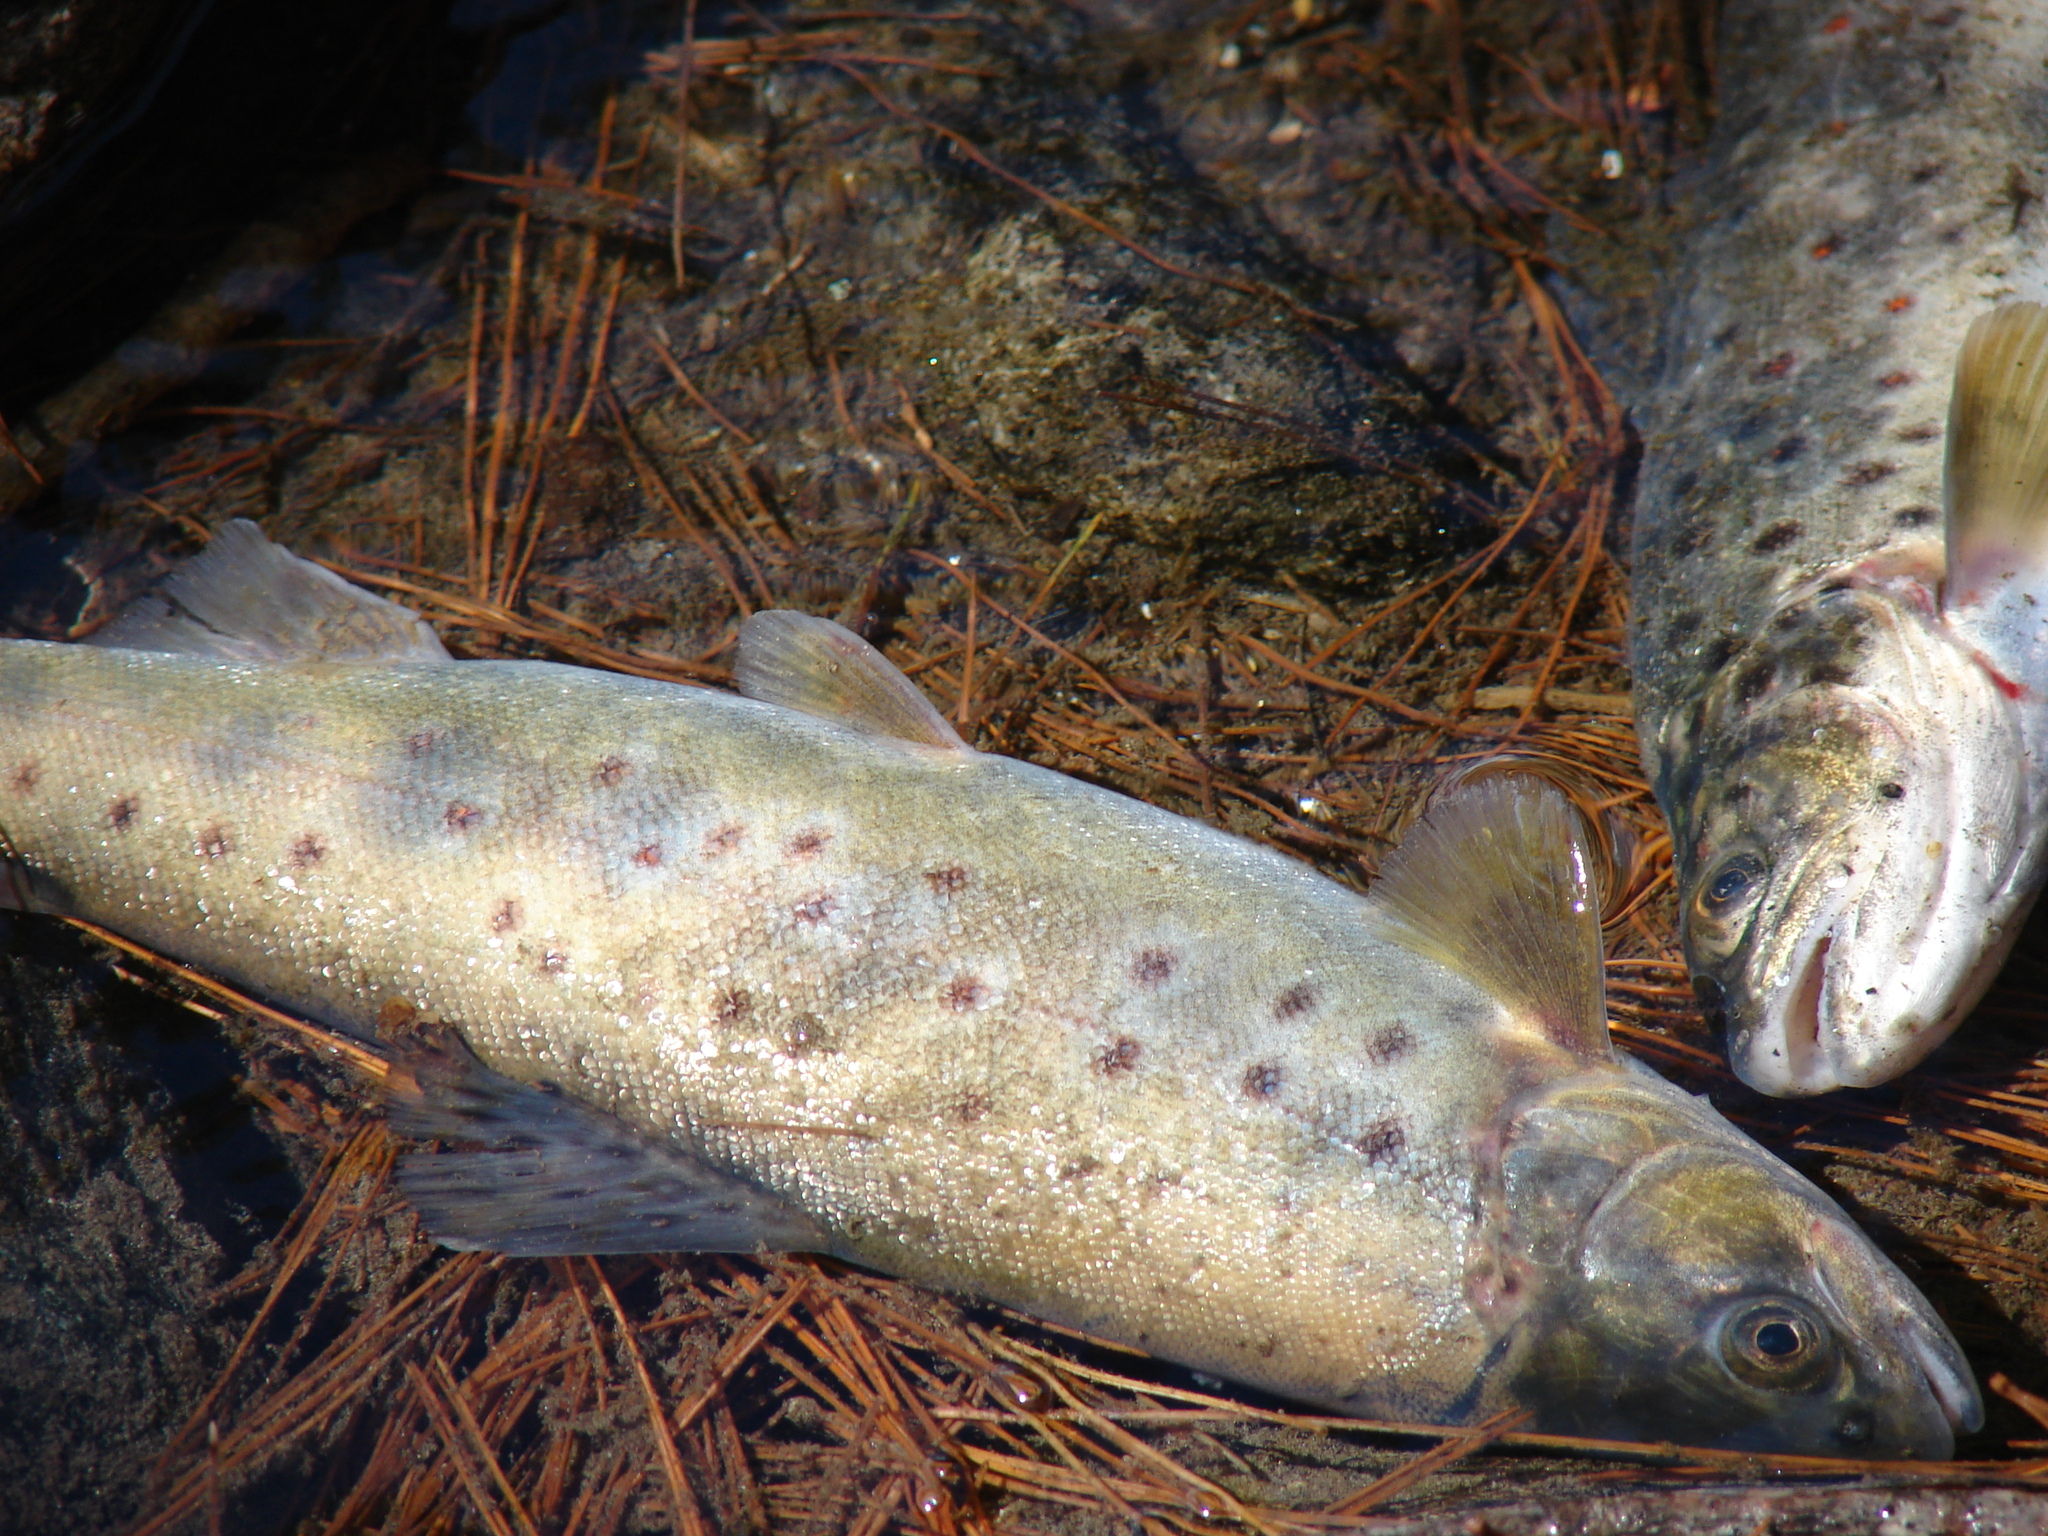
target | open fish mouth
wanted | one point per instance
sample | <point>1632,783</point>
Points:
<point>1787,1051</point>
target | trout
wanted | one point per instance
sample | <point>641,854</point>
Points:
<point>797,969</point>
<point>1841,542</point>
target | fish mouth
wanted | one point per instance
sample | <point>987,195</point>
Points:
<point>1783,1053</point>
<point>1948,1379</point>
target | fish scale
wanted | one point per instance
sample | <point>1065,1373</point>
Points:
<point>663,967</point>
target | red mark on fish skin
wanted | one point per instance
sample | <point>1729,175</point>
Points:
<point>506,918</point>
<point>26,777</point>
<point>648,857</point>
<point>1999,680</point>
<point>307,851</point>
<point>817,909</point>
<point>806,845</point>
<point>420,743</point>
<point>213,843</point>
<point>1823,249</point>
<point>733,1006</point>
<point>1294,1002</point>
<point>1777,367</point>
<point>1898,378</point>
<point>946,883</point>
<point>1837,24</point>
<point>727,838</point>
<point>1898,303</point>
<point>1391,1043</point>
<point>121,814</point>
<point>1119,1056</point>
<point>1383,1143</point>
<point>1261,1080</point>
<point>1153,967</point>
<point>611,770</point>
<point>461,816</point>
<point>964,994</point>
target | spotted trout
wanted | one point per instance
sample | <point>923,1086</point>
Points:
<point>796,969</point>
<point>1841,541</point>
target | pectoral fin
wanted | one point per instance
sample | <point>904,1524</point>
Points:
<point>244,598</point>
<point>1496,882</point>
<point>1997,478</point>
<point>535,1173</point>
<point>804,662</point>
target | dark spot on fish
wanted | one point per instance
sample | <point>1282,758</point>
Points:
<point>1120,1055</point>
<point>214,843</point>
<point>963,994</point>
<point>121,814</point>
<point>1268,1346</point>
<point>1295,1001</point>
<point>946,883</point>
<point>1827,673</point>
<point>733,1006</point>
<point>1892,791</point>
<point>1261,1080</point>
<point>461,816</point>
<point>817,909</point>
<point>396,1016</point>
<point>649,856</point>
<point>1383,1143</point>
<point>26,777</point>
<point>1788,449</point>
<point>1776,537</point>
<point>1898,378</point>
<point>1390,1044</point>
<point>1690,537</point>
<point>611,770</point>
<point>1869,472</point>
<point>1777,367</point>
<point>972,1107</point>
<point>307,851</point>
<point>1683,626</point>
<point>1919,432</point>
<point>420,743</point>
<point>807,844</point>
<point>1914,517</point>
<point>1754,681</point>
<point>1153,967</point>
<point>1080,1169</point>
<point>506,918</point>
<point>553,963</point>
<point>723,841</point>
<point>805,1035</point>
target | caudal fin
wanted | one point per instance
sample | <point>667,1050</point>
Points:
<point>1997,477</point>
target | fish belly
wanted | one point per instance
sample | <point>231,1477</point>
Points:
<point>992,1028</point>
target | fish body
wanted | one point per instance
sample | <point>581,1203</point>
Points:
<point>824,978</point>
<point>1841,539</point>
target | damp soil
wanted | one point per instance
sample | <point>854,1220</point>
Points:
<point>1156,375</point>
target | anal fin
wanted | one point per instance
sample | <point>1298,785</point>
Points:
<point>243,598</point>
<point>534,1173</point>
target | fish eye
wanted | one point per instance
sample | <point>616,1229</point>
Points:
<point>1778,1343</point>
<point>1728,884</point>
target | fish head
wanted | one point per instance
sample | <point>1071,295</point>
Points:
<point>1664,1278</point>
<point>1850,837</point>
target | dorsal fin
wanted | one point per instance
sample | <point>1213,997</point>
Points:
<point>804,662</point>
<point>1997,477</point>
<point>1496,883</point>
<point>243,598</point>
